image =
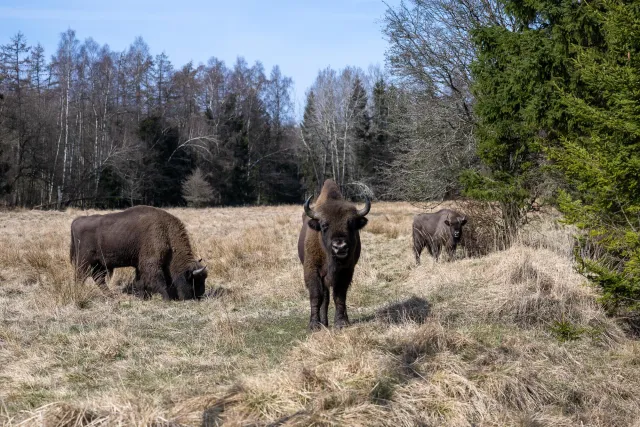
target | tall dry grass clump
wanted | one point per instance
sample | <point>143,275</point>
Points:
<point>42,260</point>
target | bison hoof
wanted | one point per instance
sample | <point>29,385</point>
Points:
<point>341,323</point>
<point>315,326</point>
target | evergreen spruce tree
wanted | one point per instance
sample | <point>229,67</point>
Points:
<point>564,82</point>
<point>600,154</point>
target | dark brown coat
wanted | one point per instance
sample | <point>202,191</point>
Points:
<point>435,230</point>
<point>151,240</point>
<point>329,249</point>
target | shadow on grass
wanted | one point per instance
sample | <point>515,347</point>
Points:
<point>414,309</point>
<point>213,416</point>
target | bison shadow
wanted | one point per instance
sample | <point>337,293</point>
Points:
<point>414,309</point>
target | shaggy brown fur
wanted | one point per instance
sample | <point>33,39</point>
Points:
<point>149,239</point>
<point>329,249</point>
<point>435,230</point>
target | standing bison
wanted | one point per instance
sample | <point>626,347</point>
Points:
<point>329,249</point>
<point>435,230</point>
<point>149,239</point>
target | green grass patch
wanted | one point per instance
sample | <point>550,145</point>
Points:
<point>272,337</point>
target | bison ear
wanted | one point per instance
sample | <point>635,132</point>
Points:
<point>446,221</point>
<point>360,222</point>
<point>314,224</point>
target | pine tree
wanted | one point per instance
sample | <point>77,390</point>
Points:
<point>600,154</point>
<point>517,74</point>
<point>565,82</point>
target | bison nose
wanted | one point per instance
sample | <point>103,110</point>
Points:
<point>339,246</point>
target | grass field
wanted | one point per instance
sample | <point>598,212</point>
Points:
<point>513,338</point>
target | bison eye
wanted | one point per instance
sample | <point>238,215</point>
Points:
<point>324,226</point>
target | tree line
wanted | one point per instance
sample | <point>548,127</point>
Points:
<point>123,128</point>
<point>95,127</point>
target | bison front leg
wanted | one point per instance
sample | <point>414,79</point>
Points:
<point>316,300</point>
<point>324,307</point>
<point>435,251</point>
<point>153,278</point>
<point>451,252</point>
<point>341,318</point>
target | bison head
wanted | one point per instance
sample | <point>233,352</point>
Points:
<point>191,283</point>
<point>338,222</point>
<point>455,226</point>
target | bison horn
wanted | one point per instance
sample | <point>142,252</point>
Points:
<point>367,207</point>
<point>199,271</point>
<point>310,213</point>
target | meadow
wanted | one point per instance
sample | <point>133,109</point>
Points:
<point>515,337</point>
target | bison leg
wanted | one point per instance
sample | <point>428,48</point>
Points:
<point>316,297</point>
<point>153,278</point>
<point>99,274</point>
<point>160,286</point>
<point>139,288</point>
<point>418,245</point>
<point>324,307</point>
<point>451,251</point>
<point>435,251</point>
<point>417,250</point>
<point>341,318</point>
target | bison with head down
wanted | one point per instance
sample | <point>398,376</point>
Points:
<point>151,240</point>
<point>437,230</point>
<point>329,249</point>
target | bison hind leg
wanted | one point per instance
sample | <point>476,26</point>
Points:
<point>100,274</point>
<point>417,250</point>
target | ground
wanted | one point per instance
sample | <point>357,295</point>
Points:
<point>512,338</point>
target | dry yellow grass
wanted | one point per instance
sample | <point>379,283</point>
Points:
<point>513,338</point>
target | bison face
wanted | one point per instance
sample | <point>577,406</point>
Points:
<point>338,224</point>
<point>191,283</point>
<point>455,226</point>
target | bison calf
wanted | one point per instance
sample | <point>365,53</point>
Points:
<point>329,249</point>
<point>435,230</point>
<point>151,240</point>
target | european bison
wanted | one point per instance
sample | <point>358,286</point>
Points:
<point>434,230</point>
<point>329,249</point>
<point>149,239</point>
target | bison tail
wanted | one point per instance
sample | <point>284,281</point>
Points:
<point>73,251</point>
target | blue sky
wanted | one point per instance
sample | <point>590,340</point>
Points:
<point>301,36</point>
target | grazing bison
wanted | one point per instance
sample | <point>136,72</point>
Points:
<point>434,230</point>
<point>149,239</point>
<point>329,249</point>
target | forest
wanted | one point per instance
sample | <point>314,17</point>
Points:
<point>516,104</point>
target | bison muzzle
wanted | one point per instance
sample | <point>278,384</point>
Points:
<point>329,249</point>
<point>151,240</point>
